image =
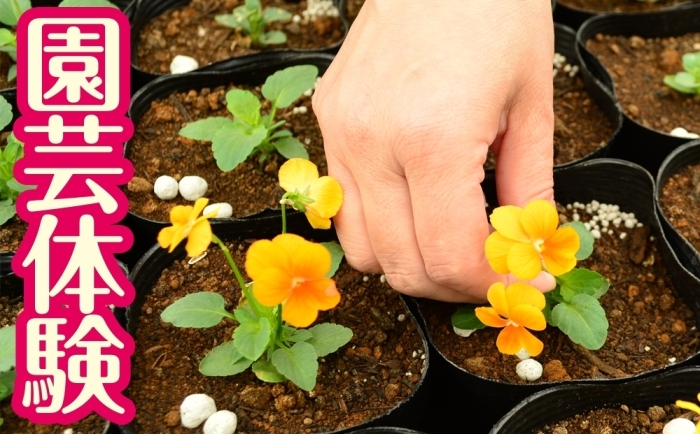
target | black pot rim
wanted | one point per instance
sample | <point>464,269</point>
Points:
<point>538,386</point>
<point>179,253</point>
<point>596,13</point>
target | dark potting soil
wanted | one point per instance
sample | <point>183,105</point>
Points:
<point>619,420</point>
<point>380,366</point>
<point>620,5</point>
<point>5,63</point>
<point>11,234</point>
<point>157,149</point>
<point>638,67</point>
<point>191,30</point>
<point>580,126</point>
<point>650,324</point>
<point>353,8</point>
<point>680,202</point>
<point>93,424</point>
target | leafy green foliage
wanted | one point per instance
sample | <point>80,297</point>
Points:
<point>687,81</point>
<point>249,132</point>
<point>327,338</point>
<point>583,320</point>
<point>337,254</point>
<point>7,361</point>
<point>252,19</point>
<point>14,150</point>
<point>465,318</point>
<point>199,310</point>
<point>298,363</point>
<point>586,239</point>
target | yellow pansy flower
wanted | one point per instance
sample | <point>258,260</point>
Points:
<point>187,224</point>
<point>692,407</point>
<point>526,239</point>
<point>291,271</point>
<point>515,309</point>
<point>319,198</point>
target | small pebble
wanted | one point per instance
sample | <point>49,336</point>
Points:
<point>182,64</point>
<point>647,348</point>
<point>529,370</point>
<point>382,278</point>
<point>465,333</point>
<point>596,234</point>
<point>221,422</point>
<point>193,187</point>
<point>684,134</point>
<point>623,235</point>
<point>523,354</point>
<point>68,431</point>
<point>224,210</point>
<point>401,318</point>
<point>195,409</point>
<point>365,279</point>
<point>165,187</point>
<point>679,425</point>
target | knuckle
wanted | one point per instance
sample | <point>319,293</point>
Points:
<point>449,273</point>
<point>406,283</point>
<point>363,261</point>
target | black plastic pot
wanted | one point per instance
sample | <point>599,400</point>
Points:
<point>478,402</point>
<point>562,402</point>
<point>574,17</point>
<point>408,414</point>
<point>146,10</point>
<point>684,156</point>
<point>146,230</point>
<point>385,430</point>
<point>637,143</point>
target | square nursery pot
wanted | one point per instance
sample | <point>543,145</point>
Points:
<point>404,417</point>
<point>682,157</point>
<point>637,143</point>
<point>147,10</point>
<point>471,400</point>
<point>562,402</point>
<point>146,230</point>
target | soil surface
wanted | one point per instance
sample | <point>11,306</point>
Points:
<point>353,8</point>
<point>650,324</point>
<point>638,67</point>
<point>191,30</point>
<point>5,63</point>
<point>620,5</point>
<point>380,366</point>
<point>680,202</point>
<point>93,424</point>
<point>580,126</point>
<point>619,420</point>
<point>157,149</point>
<point>11,234</point>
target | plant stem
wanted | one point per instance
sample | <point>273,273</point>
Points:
<point>278,318</point>
<point>284,219</point>
<point>246,290</point>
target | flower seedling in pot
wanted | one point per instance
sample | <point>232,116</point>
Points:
<point>292,282</point>
<point>687,81</point>
<point>14,150</point>
<point>252,19</point>
<point>250,132</point>
<point>7,361</point>
<point>10,11</point>
<point>527,241</point>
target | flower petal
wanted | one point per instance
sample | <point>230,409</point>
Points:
<point>273,287</point>
<point>509,340</point>
<point>165,236</point>
<point>524,261</point>
<point>528,316</point>
<point>199,205</point>
<point>327,196</point>
<point>180,233</point>
<point>263,256</point>
<point>539,219</point>
<point>496,248</point>
<point>521,293</point>
<point>307,298</point>
<point>180,214</point>
<point>559,251</point>
<point>297,174</point>
<point>199,238</point>
<point>490,317</point>
<point>532,345</point>
<point>316,221</point>
<point>496,296</point>
<point>506,220</point>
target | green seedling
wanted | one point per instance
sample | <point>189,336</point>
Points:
<point>11,10</point>
<point>249,132</point>
<point>252,19</point>
<point>14,150</point>
<point>7,362</point>
<point>687,81</point>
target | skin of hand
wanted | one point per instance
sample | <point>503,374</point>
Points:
<point>408,110</point>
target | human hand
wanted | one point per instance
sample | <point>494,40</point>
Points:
<point>408,110</point>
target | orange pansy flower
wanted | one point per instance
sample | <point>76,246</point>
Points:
<point>292,271</point>
<point>527,238</point>
<point>187,224</point>
<point>515,309</point>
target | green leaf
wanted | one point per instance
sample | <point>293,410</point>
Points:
<point>297,335</point>
<point>465,318</point>
<point>229,20</point>
<point>290,148</point>
<point>251,338</point>
<point>12,73</point>
<point>691,62</point>
<point>273,37</point>
<point>223,361</point>
<point>298,364</point>
<point>327,338</point>
<point>602,290</point>
<point>7,210</point>
<point>281,133</point>
<point>284,87</point>
<point>687,79</point>
<point>4,392</point>
<point>7,348</point>
<point>265,371</point>
<point>10,10</point>
<point>204,129</point>
<point>243,105</point>
<point>65,3</point>
<point>233,143</point>
<point>7,379</point>
<point>253,4</point>
<point>7,38</point>
<point>337,254</point>
<point>14,149</point>
<point>198,310</point>
<point>670,81</point>
<point>585,237</point>
<point>275,14</point>
<point>583,320</point>
<point>5,112</point>
<point>12,184</point>
<point>579,281</point>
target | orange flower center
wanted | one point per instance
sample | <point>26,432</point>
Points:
<point>512,323</point>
